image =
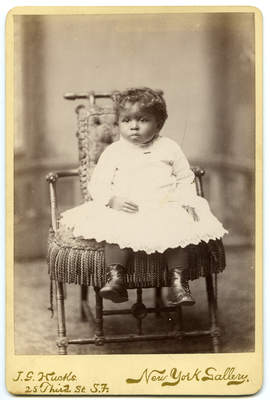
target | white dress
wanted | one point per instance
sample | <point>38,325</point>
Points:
<point>158,178</point>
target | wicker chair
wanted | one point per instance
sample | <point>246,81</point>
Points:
<point>80,261</point>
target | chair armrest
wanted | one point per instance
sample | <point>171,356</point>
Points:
<point>199,173</point>
<point>52,178</point>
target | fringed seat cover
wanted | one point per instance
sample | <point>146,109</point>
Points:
<point>72,260</point>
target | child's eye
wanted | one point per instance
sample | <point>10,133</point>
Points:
<point>125,120</point>
<point>143,120</point>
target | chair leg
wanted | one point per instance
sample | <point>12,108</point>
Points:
<point>84,298</point>
<point>138,320</point>
<point>60,300</point>
<point>158,300</point>
<point>99,335</point>
<point>215,331</point>
<point>178,326</point>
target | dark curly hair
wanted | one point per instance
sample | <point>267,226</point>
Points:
<point>146,98</point>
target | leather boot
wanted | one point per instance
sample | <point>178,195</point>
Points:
<point>115,288</point>
<point>179,293</point>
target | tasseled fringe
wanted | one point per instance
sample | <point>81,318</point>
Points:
<point>85,265</point>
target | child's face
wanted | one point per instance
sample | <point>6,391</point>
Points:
<point>137,126</point>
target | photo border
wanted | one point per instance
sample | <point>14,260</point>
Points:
<point>245,363</point>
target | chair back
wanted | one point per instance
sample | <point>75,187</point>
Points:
<point>97,129</point>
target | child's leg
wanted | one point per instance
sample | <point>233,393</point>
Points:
<point>115,260</point>
<point>115,255</point>
<point>176,258</point>
<point>177,262</point>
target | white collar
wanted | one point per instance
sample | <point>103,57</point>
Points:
<point>143,145</point>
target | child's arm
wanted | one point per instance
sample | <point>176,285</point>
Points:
<point>185,190</point>
<point>100,185</point>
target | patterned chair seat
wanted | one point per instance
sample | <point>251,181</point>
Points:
<point>80,261</point>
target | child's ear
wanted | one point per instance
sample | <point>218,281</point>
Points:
<point>159,125</point>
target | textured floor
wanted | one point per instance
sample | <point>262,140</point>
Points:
<point>35,330</point>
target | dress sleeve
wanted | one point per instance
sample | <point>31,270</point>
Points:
<point>185,189</point>
<point>100,185</point>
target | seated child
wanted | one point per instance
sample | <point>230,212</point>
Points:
<point>144,198</point>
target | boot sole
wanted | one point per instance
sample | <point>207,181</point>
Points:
<point>113,296</point>
<point>184,303</point>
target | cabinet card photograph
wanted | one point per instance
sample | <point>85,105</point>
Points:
<point>134,201</point>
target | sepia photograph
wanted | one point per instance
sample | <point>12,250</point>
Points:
<point>136,198</point>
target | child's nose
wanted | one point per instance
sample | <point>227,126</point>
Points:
<point>134,124</point>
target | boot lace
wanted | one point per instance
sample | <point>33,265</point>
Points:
<point>185,285</point>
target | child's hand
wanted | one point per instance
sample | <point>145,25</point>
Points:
<point>123,204</point>
<point>192,212</point>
